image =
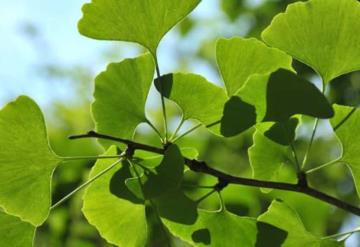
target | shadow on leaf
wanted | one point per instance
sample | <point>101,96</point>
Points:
<point>202,236</point>
<point>269,235</point>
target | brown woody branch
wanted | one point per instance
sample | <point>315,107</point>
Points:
<point>203,167</point>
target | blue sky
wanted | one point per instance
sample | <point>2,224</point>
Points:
<point>60,43</point>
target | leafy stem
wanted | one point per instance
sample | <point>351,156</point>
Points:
<point>203,167</point>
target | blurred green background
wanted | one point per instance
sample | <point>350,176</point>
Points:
<point>43,56</point>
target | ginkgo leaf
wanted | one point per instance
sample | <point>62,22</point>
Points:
<point>216,229</point>
<point>199,99</point>
<point>275,98</point>
<point>282,216</point>
<point>141,21</point>
<point>14,232</point>
<point>288,94</point>
<point>238,59</point>
<point>284,94</point>
<point>346,125</point>
<point>121,222</point>
<point>320,33</point>
<point>124,219</point>
<point>268,158</point>
<point>120,96</point>
<point>26,161</point>
<point>164,178</point>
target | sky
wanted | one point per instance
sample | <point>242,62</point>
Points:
<point>58,42</point>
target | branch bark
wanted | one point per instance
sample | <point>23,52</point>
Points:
<point>203,167</point>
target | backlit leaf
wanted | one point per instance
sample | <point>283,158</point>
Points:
<point>320,33</point>
<point>285,218</point>
<point>347,128</point>
<point>268,158</point>
<point>141,21</point>
<point>26,161</point>
<point>198,98</point>
<point>120,96</point>
<point>14,232</point>
<point>238,59</point>
<point>216,229</point>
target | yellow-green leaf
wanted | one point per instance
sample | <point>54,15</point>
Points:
<point>346,124</point>
<point>323,34</point>
<point>238,59</point>
<point>14,232</point>
<point>141,21</point>
<point>26,161</point>
<point>120,96</point>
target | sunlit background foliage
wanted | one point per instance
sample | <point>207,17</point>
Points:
<point>43,56</point>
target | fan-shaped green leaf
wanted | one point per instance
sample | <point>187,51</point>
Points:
<point>239,58</point>
<point>14,232</point>
<point>320,33</point>
<point>283,94</point>
<point>268,158</point>
<point>121,222</point>
<point>165,178</point>
<point>141,21</point>
<point>26,161</point>
<point>275,98</point>
<point>288,94</point>
<point>198,98</point>
<point>120,96</point>
<point>284,217</point>
<point>216,229</point>
<point>347,128</point>
<point>123,218</point>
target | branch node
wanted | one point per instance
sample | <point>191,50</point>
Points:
<point>130,151</point>
<point>167,145</point>
<point>221,184</point>
<point>302,180</point>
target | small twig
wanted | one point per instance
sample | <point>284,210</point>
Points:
<point>202,167</point>
<point>93,134</point>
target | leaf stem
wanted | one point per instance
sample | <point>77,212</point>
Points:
<point>162,99</point>
<point>182,121</point>
<point>297,163</point>
<point>323,166</point>
<point>306,156</point>
<point>90,157</point>
<point>85,184</point>
<point>222,202</point>
<point>342,234</point>
<point>155,129</point>
<point>187,132</point>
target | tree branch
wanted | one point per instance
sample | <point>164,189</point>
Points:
<point>203,167</point>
